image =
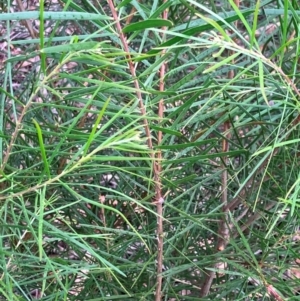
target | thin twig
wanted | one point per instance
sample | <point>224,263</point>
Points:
<point>253,218</point>
<point>224,226</point>
<point>133,74</point>
<point>19,123</point>
<point>157,159</point>
<point>27,23</point>
<point>158,189</point>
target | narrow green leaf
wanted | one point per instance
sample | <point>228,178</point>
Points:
<point>55,39</point>
<point>255,18</point>
<point>284,31</point>
<point>207,156</point>
<point>42,147</point>
<point>280,11</point>
<point>70,47</point>
<point>123,3</point>
<point>186,145</point>
<point>20,58</point>
<point>41,208</point>
<point>35,15</point>
<point>154,23</point>
<point>272,147</point>
<point>261,81</point>
<point>184,180</point>
<point>115,86</point>
<point>115,158</point>
<point>241,16</point>
<point>41,30</point>
<point>100,115</point>
<point>156,92</point>
<point>166,131</point>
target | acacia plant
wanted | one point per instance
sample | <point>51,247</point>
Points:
<point>149,150</point>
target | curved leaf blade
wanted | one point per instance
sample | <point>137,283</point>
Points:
<point>151,23</point>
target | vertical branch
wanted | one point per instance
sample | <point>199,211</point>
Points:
<point>27,23</point>
<point>158,189</point>
<point>19,124</point>
<point>223,232</point>
<point>157,159</point>
<point>133,74</point>
<point>224,227</point>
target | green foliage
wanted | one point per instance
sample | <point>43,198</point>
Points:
<point>78,219</point>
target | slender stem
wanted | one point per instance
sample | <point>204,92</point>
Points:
<point>224,227</point>
<point>27,23</point>
<point>158,188</point>
<point>157,159</point>
<point>133,73</point>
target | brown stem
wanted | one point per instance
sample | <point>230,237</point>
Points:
<point>157,159</point>
<point>224,226</point>
<point>223,232</point>
<point>133,74</point>
<point>242,194</point>
<point>27,23</point>
<point>158,189</point>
